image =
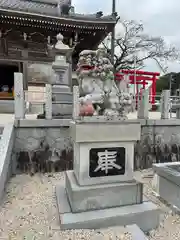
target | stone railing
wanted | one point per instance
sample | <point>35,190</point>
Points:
<point>22,103</point>
<point>48,102</point>
<point>19,96</point>
<point>168,104</point>
<point>64,98</point>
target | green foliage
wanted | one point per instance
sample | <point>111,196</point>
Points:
<point>164,82</point>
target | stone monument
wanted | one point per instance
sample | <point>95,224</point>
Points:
<point>60,80</point>
<point>101,190</point>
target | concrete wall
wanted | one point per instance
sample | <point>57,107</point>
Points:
<point>6,146</point>
<point>48,143</point>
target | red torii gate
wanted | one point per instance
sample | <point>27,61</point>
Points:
<point>142,78</point>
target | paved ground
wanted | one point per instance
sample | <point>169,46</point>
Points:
<point>8,118</point>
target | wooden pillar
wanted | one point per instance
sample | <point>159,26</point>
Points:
<point>25,69</point>
<point>153,90</point>
<point>69,60</point>
<point>25,62</point>
<point>19,67</point>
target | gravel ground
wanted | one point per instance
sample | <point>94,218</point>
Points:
<point>169,228</point>
<point>29,212</point>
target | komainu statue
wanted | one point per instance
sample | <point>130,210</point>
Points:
<point>98,86</point>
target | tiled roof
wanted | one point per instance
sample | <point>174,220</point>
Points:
<point>38,7</point>
<point>48,8</point>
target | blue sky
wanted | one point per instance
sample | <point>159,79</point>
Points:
<point>160,18</point>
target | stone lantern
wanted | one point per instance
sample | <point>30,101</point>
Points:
<point>60,80</point>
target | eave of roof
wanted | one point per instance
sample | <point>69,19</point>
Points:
<point>70,18</point>
<point>49,11</point>
<point>27,19</point>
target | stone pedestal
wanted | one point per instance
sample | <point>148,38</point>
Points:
<point>61,95</point>
<point>168,182</point>
<point>61,92</point>
<point>101,190</point>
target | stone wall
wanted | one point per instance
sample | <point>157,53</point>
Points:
<point>160,142</point>
<point>6,146</point>
<point>45,145</point>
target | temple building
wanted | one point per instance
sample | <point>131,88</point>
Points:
<point>29,26</point>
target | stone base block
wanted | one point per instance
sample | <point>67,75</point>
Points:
<point>168,182</point>
<point>169,191</point>
<point>145,215</point>
<point>61,108</point>
<point>170,171</point>
<point>36,108</point>
<point>61,88</point>
<point>95,197</point>
<point>62,97</point>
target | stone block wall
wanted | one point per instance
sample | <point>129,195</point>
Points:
<point>42,148</point>
<point>6,146</point>
<point>47,145</point>
<point>160,142</point>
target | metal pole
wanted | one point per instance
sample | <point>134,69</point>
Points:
<point>170,87</point>
<point>113,33</point>
<point>170,83</point>
<point>135,78</point>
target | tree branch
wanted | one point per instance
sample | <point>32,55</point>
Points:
<point>132,41</point>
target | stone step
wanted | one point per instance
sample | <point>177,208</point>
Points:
<point>97,197</point>
<point>145,215</point>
